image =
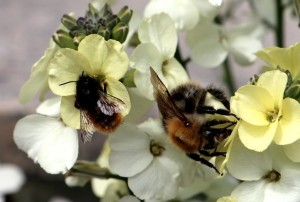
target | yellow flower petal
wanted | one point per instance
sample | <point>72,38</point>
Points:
<point>285,58</point>
<point>289,125</point>
<point>117,89</point>
<point>69,114</point>
<point>251,103</point>
<point>257,138</point>
<point>275,82</point>
<point>67,65</point>
<point>106,57</point>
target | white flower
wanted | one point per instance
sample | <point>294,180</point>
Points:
<point>12,178</point>
<point>108,189</point>
<point>158,45</point>
<point>184,13</point>
<point>210,44</point>
<point>46,139</point>
<point>269,175</point>
<point>38,81</point>
<point>155,169</point>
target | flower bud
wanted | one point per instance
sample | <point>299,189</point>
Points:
<point>120,32</point>
<point>125,14</point>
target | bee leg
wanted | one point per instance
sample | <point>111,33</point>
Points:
<point>211,154</point>
<point>219,94</point>
<point>196,157</point>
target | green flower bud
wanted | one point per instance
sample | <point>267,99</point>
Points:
<point>128,79</point>
<point>120,32</point>
<point>68,21</point>
<point>125,14</point>
<point>63,40</point>
<point>293,91</point>
<point>104,32</point>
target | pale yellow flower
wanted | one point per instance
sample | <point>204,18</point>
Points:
<point>285,58</point>
<point>97,58</point>
<point>265,114</point>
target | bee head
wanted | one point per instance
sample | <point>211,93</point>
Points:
<point>185,136</point>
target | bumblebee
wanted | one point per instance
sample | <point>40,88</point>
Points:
<point>189,117</point>
<point>99,111</point>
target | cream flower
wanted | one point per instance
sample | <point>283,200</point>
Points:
<point>97,58</point>
<point>184,13</point>
<point>158,45</point>
<point>46,139</point>
<point>155,173</point>
<point>108,189</point>
<point>38,81</point>
<point>210,44</point>
<point>265,115</point>
<point>268,175</point>
<point>285,58</point>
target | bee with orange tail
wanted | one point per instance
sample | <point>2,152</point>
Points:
<point>99,111</point>
<point>185,117</point>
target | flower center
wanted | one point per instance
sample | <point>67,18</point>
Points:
<point>156,149</point>
<point>272,116</point>
<point>272,176</point>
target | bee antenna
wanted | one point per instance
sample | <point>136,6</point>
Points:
<point>66,83</point>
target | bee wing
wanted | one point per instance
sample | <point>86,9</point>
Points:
<point>109,104</point>
<point>164,99</point>
<point>86,127</point>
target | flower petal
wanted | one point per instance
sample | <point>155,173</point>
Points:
<point>250,191</point>
<point>106,57</point>
<point>102,187</point>
<point>67,65</point>
<point>162,177</point>
<point>160,31</point>
<point>144,56</point>
<point>183,13</point>
<point>252,101</point>
<point>47,141</point>
<point>257,138</point>
<point>141,105</point>
<point>293,151</point>
<point>275,82</point>
<point>69,114</point>
<point>12,178</point>
<point>129,148</point>
<point>245,164</point>
<point>50,107</point>
<point>289,128</point>
<point>38,77</point>
<point>117,89</point>
<point>243,49</point>
<point>208,51</point>
<point>174,73</point>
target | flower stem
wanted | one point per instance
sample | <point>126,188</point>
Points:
<point>228,77</point>
<point>280,24</point>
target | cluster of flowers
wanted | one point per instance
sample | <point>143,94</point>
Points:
<point>139,159</point>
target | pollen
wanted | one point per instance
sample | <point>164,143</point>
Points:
<point>272,116</point>
<point>156,149</point>
<point>272,176</point>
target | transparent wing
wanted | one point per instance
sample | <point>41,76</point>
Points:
<point>109,104</point>
<point>86,127</point>
<point>164,100</point>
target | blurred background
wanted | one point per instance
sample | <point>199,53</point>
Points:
<point>25,30</point>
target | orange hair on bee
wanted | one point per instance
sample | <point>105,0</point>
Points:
<point>186,138</point>
<point>108,124</point>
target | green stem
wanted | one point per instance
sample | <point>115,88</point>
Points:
<point>99,174</point>
<point>228,78</point>
<point>280,24</point>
